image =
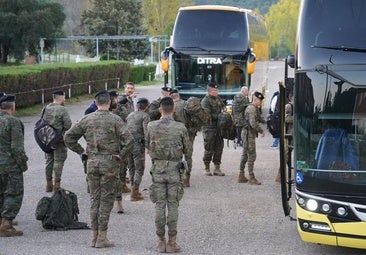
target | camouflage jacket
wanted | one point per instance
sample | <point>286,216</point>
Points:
<point>104,132</point>
<point>167,139</point>
<point>123,110</point>
<point>153,109</point>
<point>137,124</point>
<point>212,106</point>
<point>12,151</point>
<point>57,116</point>
<point>253,118</point>
<point>179,114</point>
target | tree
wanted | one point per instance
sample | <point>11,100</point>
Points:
<point>24,22</point>
<point>115,17</point>
<point>282,24</point>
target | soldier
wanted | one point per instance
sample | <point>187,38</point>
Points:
<point>137,124</point>
<point>240,102</point>
<point>154,106</point>
<point>13,162</point>
<point>249,134</point>
<point>167,141</point>
<point>58,117</point>
<point>107,141</point>
<point>213,141</point>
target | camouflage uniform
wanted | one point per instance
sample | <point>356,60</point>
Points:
<point>249,134</point>
<point>13,162</point>
<point>137,124</point>
<point>105,134</point>
<point>59,118</point>
<point>213,141</point>
<point>240,102</point>
<point>167,141</point>
<point>153,109</point>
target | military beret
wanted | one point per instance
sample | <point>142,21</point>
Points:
<point>166,89</point>
<point>174,91</point>
<point>166,101</point>
<point>2,94</point>
<point>7,98</point>
<point>58,93</point>
<point>113,93</point>
<point>101,92</point>
<point>258,95</point>
<point>213,85</point>
<point>142,100</point>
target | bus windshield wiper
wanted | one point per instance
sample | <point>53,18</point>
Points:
<point>341,48</point>
<point>324,69</point>
<point>193,47</point>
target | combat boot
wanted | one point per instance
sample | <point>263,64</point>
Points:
<point>186,181</point>
<point>7,229</point>
<point>125,189</point>
<point>172,245</point>
<point>102,241</point>
<point>95,236</point>
<point>161,247</point>
<point>136,195</point>
<point>49,186</point>
<point>56,186</point>
<point>253,180</point>
<point>217,171</point>
<point>207,169</point>
<point>242,178</point>
<point>119,207</point>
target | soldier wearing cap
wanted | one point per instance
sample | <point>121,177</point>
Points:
<point>137,124</point>
<point>213,141</point>
<point>249,133</point>
<point>13,162</point>
<point>107,139</point>
<point>154,106</point>
<point>58,117</point>
<point>167,141</point>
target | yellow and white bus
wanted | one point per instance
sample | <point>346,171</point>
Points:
<point>329,124</point>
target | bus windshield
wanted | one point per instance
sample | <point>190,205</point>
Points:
<point>217,30</point>
<point>331,129</point>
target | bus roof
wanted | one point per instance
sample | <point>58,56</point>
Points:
<point>214,7</point>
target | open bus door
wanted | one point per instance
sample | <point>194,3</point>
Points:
<point>285,139</point>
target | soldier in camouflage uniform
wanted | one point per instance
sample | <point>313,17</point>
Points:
<point>249,133</point>
<point>108,139</point>
<point>240,102</point>
<point>124,107</point>
<point>213,141</point>
<point>58,117</point>
<point>154,106</point>
<point>167,141</point>
<point>137,124</point>
<point>13,162</point>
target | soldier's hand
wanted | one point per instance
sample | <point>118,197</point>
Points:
<point>116,156</point>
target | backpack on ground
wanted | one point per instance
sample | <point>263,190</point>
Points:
<point>273,120</point>
<point>59,212</point>
<point>194,114</point>
<point>226,125</point>
<point>47,137</point>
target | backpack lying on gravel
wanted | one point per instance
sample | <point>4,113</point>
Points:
<point>59,212</point>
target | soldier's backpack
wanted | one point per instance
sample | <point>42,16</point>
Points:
<point>239,106</point>
<point>59,212</point>
<point>226,125</point>
<point>47,137</point>
<point>194,114</point>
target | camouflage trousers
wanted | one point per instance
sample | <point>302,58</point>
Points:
<point>102,173</point>
<point>11,191</point>
<point>123,167</point>
<point>55,162</point>
<point>213,144</point>
<point>137,164</point>
<point>190,162</point>
<point>166,191</point>
<point>249,153</point>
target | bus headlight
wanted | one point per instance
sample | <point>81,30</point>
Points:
<point>301,201</point>
<point>312,205</point>
<point>341,211</point>
<point>326,208</point>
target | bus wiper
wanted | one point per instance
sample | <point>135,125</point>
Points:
<point>324,69</point>
<point>341,48</point>
<point>193,47</point>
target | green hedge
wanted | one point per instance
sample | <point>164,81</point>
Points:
<point>29,83</point>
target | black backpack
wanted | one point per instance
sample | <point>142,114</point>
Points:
<point>47,137</point>
<point>59,212</point>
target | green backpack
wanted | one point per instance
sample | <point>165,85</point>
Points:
<point>226,125</point>
<point>59,212</point>
<point>194,114</point>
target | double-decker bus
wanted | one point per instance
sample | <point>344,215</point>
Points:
<point>222,44</point>
<point>329,149</point>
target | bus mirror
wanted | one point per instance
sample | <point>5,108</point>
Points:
<point>251,58</point>
<point>291,61</point>
<point>251,67</point>
<point>164,60</point>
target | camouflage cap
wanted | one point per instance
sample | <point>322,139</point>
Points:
<point>258,95</point>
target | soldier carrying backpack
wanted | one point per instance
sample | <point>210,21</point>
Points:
<point>240,103</point>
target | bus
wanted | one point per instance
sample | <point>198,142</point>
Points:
<point>213,43</point>
<point>329,140</point>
